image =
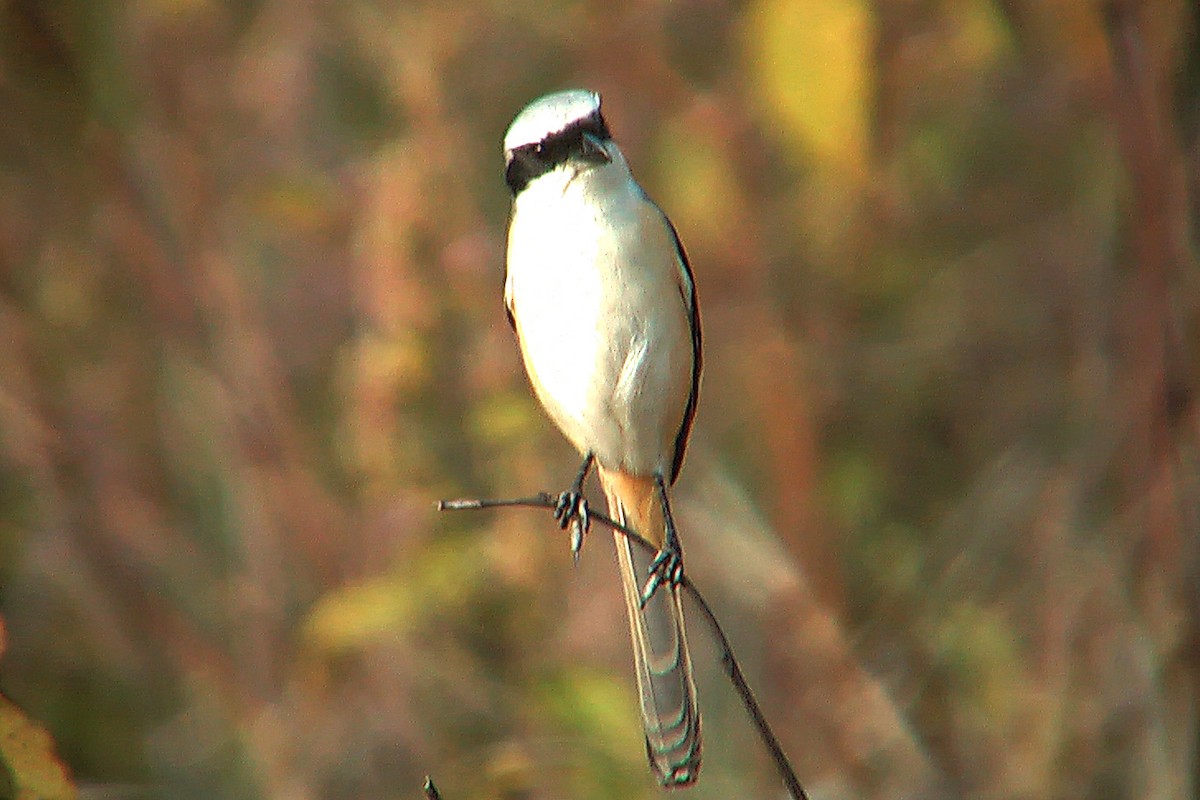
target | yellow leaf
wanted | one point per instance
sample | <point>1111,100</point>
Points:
<point>442,577</point>
<point>505,418</point>
<point>811,65</point>
<point>34,771</point>
<point>699,183</point>
<point>351,617</point>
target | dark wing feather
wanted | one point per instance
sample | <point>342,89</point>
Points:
<point>688,292</point>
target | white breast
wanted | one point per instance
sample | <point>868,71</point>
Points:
<point>593,281</point>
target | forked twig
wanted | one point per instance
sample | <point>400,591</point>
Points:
<point>728,660</point>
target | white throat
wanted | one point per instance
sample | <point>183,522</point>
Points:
<point>568,187</point>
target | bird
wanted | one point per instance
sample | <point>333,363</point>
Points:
<point>601,296</point>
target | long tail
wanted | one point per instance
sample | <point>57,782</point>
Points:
<point>660,650</point>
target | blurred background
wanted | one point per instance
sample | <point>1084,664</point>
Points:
<point>942,489</point>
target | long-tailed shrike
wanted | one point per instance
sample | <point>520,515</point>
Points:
<point>601,296</point>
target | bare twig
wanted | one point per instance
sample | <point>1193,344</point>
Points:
<point>728,660</point>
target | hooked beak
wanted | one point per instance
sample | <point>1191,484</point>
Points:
<point>593,150</point>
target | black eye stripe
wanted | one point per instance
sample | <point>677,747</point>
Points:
<point>533,160</point>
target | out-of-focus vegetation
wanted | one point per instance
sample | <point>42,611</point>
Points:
<point>29,765</point>
<point>943,487</point>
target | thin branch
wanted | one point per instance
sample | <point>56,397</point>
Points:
<point>728,660</point>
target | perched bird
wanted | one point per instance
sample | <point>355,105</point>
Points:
<point>601,296</point>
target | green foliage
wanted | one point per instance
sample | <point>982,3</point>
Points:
<point>588,706</point>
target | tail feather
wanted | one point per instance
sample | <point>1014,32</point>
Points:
<point>662,663</point>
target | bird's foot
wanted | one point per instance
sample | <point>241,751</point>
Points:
<point>667,568</point>
<point>572,511</point>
